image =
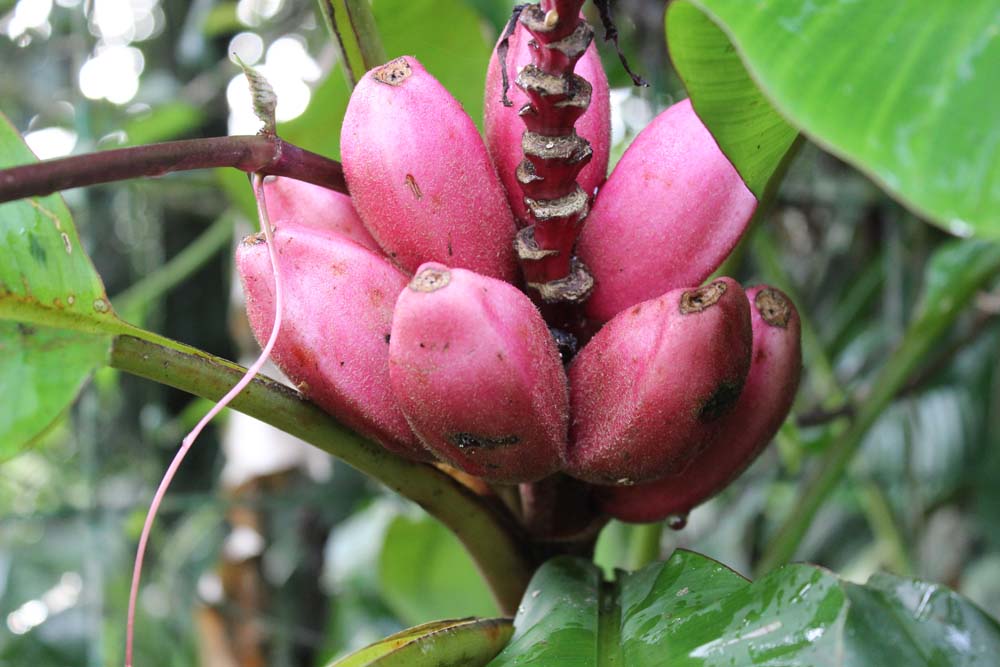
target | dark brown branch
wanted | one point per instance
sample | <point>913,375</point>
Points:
<point>820,416</point>
<point>252,154</point>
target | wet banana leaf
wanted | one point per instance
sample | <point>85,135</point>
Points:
<point>899,89</point>
<point>691,611</point>
<point>47,285</point>
<point>467,642</point>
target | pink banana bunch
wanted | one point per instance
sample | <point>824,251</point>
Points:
<point>407,321</point>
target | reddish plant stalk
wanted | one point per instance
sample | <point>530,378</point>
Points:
<point>263,154</point>
<point>190,438</point>
<point>553,152</point>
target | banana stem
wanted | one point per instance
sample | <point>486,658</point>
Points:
<point>264,154</point>
<point>554,153</point>
<point>487,530</point>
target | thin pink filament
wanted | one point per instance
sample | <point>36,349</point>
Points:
<point>258,189</point>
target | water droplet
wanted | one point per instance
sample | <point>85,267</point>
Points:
<point>100,305</point>
<point>960,228</point>
<point>677,521</point>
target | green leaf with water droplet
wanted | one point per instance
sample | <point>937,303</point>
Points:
<point>691,611</point>
<point>907,92</point>
<point>47,283</point>
<point>46,276</point>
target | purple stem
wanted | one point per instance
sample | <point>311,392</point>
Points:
<point>262,154</point>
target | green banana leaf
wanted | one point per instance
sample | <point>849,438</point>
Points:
<point>47,284</point>
<point>692,611</point>
<point>467,642</point>
<point>906,91</point>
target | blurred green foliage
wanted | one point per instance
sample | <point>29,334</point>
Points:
<point>920,498</point>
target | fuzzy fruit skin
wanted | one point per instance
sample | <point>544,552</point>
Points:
<point>503,126</point>
<point>647,392</point>
<point>337,315</point>
<point>669,214</point>
<point>471,361</point>
<point>292,202</point>
<point>420,176</point>
<point>762,407</point>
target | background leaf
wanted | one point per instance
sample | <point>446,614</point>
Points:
<point>46,278</point>
<point>899,89</point>
<point>466,642</point>
<point>692,611</point>
<point>41,372</point>
<point>424,573</point>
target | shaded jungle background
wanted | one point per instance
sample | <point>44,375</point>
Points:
<point>267,552</point>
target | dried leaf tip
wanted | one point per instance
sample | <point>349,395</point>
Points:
<point>264,99</point>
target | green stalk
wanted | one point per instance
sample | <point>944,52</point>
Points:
<point>644,544</point>
<point>944,300</point>
<point>883,524</point>
<point>486,530</point>
<point>352,25</point>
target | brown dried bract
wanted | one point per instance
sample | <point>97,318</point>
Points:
<point>574,288</point>
<point>698,300</point>
<point>254,239</point>
<point>394,72</point>
<point>773,307</point>
<point>430,280</point>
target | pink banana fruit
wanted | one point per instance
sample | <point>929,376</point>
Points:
<point>504,127</point>
<point>647,392</point>
<point>292,202</point>
<point>762,407</point>
<point>337,316</point>
<point>669,214</point>
<point>420,176</point>
<point>478,375</point>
